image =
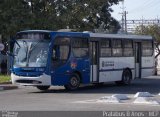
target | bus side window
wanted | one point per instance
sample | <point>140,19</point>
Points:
<point>116,47</point>
<point>105,48</point>
<point>80,47</point>
<point>127,48</point>
<point>147,48</point>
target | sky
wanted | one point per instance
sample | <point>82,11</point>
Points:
<point>138,9</point>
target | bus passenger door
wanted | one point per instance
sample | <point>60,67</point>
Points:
<point>138,60</point>
<point>94,61</point>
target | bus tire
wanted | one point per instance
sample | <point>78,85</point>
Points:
<point>74,82</point>
<point>43,88</point>
<point>126,78</point>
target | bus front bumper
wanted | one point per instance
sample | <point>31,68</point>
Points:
<point>44,80</point>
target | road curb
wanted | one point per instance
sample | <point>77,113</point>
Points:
<point>5,83</point>
<point>8,87</point>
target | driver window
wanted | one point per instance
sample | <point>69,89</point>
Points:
<point>60,51</point>
<point>64,51</point>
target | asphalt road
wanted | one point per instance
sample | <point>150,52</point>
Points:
<point>58,99</point>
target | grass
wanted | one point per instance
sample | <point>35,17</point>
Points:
<point>4,78</point>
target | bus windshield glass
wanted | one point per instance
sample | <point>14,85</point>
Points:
<point>29,53</point>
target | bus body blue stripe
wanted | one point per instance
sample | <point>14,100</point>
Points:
<point>104,70</point>
<point>148,67</point>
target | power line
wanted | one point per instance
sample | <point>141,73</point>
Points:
<point>146,5</point>
<point>132,24</point>
<point>139,6</point>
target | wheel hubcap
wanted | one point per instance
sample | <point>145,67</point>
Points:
<point>126,78</point>
<point>74,81</point>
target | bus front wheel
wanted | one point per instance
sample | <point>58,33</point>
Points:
<point>43,88</point>
<point>74,82</point>
<point>126,78</point>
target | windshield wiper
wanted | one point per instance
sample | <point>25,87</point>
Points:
<point>14,40</point>
<point>17,44</point>
<point>31,48</point>
<point>26,50</point>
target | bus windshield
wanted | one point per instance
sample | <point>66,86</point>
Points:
<point>30,53</point>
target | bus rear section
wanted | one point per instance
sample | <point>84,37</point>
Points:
<point>120,58</point>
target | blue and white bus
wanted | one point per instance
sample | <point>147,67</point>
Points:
<point>47,58</point>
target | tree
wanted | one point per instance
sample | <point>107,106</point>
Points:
<point>43,15</point>
<point>81,15</point>
<point>14,16</point>
<point>86,15</point>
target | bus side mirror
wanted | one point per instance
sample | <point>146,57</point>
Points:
<point>3,51</point>
<point>1,47</point>
<point>9,53</point>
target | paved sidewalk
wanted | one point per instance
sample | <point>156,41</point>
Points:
<point>7,86</point>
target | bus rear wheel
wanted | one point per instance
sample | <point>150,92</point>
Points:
<point>126,78</point>
<point>74,82</point>
<point>43,88</point>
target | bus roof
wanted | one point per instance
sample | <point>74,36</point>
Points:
<point>25,31</point>
<point>74,34</point>
<point>95,35</point>
<point>121,36</point>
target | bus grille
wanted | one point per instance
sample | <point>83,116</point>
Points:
<point>29,81</point>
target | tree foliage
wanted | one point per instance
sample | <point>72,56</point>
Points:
<point>153,30</point>
<point>16,15</point>
<point>13,16</point>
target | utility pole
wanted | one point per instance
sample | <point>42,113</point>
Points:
<point>31,6</point>
<point>124,18</point>
<point>142,26</point>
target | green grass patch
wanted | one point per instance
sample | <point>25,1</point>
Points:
<point>5,78</point>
